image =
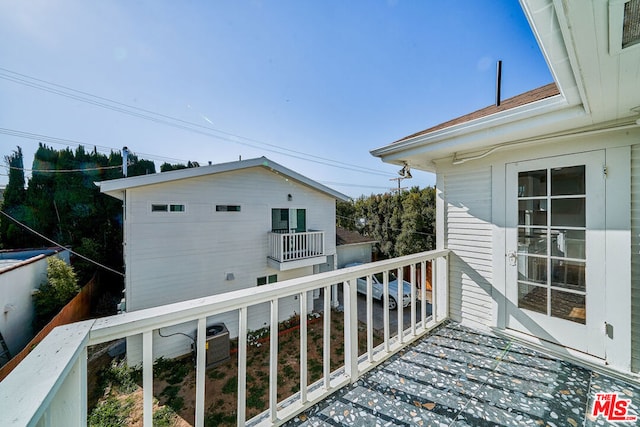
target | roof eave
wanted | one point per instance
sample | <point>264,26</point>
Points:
<point>116,187</point>
<point>484,132</point>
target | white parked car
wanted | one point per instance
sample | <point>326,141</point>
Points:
<point>377,288</point>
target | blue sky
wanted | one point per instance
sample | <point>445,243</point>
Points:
<point>331,79</point>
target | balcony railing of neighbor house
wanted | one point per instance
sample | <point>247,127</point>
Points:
<point>285,246</point>
<point>49,388</point>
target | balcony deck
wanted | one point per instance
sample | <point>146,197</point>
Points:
<point>463,377</point>
<point>427,370</point>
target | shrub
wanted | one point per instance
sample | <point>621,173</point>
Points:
<point>171,370</point>
<point>111,412</point>
<point>164,417</point>
<point>174,401</point>
<point>61,286</point>
<point>231,386</point>
<point>119,376</point>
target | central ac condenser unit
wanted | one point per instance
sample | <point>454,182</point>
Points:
<point>217,345</point>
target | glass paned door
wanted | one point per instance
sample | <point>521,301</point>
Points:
<point>554,268</point>
<point>551,242</point>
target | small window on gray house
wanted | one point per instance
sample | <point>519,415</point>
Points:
<point>167,208</point>
<point>631,24</point>
<point>267,279</point>
<point>227,208</point>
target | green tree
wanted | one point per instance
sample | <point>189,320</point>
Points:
<point>418,222</point>
<point>346,215</point>
<point>166,167</point>
<point>63,203</point>
<point>402,223</point>
<point>13,204</point>
<point>61,286</point>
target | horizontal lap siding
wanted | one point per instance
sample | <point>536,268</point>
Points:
<point>170,342</point>
<point>635,258</point>
<point>177,256</point>
<point>469,237</point>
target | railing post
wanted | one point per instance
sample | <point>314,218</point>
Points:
<point>147,378</point>
<point>369,319</point>
<point>413,298</point>
<point>435,287</point>
<point>445,311</point>
<point>242,367</point>
<point>326,341</point>
<point>351,329</point>
<point>440,271</point>
<point>423,293</point>
<point>273,362</point>
<point>303,347</point>
<point>69,408</point>
<point>399,307</point>
<point>82,379</point>
<point>385,308</point>
<point>200,370</point>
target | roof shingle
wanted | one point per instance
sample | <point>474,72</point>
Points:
<point>537,94</point>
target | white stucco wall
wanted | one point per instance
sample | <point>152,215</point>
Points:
<point>16,302</point>
<point>356,252</point>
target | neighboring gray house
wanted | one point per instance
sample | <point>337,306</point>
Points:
<point>353,247</point>
<point>538,198</point>
<point>202,231</point>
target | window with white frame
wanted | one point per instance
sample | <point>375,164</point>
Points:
<point>227,208</point>
<point>166,207</point>
<point>267,279</point>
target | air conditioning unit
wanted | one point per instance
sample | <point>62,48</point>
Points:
<point>217,344</point>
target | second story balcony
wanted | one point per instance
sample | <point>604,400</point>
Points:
<point>360,365</point>
<point>289,250</point>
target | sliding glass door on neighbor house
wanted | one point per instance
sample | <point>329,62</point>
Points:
<point>284,220</point>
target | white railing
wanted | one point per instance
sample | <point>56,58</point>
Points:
<point>285,247</point>
<point>49,388</point>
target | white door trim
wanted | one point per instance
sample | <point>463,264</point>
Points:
<point>588,338</point>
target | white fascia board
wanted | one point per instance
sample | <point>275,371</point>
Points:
<point>486,131</point>
<point>116,187</point>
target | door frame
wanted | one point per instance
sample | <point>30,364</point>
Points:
<point>588,338</point>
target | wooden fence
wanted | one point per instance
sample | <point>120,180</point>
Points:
<point>79,308</point>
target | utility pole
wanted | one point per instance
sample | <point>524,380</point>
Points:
<point>399,179</point>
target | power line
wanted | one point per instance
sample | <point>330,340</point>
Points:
<point>64,170</point>
<point>161,118</point>
<point>67,142</point>
<point>59,245</point>
<point>344,184</point>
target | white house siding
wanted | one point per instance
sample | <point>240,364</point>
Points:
<point>176,256</point>
<point>469,236</point>
<point>170,343</point>
<point>635,258</point>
